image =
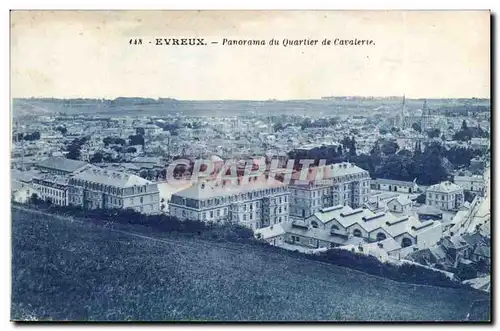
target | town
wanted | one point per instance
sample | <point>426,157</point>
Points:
<point>405,181</point>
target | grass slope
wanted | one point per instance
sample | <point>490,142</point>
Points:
<point>73,271</point>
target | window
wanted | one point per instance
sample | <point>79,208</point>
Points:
<point>142,199</point>
<point>357,233</point>
<point>334,227</point>
<point>314,224</point>
<point>406,242</point>
<point>211,214</point>
<point>381,236</point>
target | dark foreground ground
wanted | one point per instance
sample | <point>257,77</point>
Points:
<point>74,271</point>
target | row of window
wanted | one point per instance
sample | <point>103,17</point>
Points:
<point>108,188</point>
<point>443,196</point>
<point>336,188</point>
<point>240,197</point>
<point>52,192</point>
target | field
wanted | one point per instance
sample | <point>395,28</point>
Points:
<point>66,270</point>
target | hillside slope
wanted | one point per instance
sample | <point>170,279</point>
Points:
<point>74,271</point>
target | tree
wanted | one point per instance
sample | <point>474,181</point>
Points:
<point>418,150</point>
<point>96,158</point>
<point>469,196</point>
<point>32,136</point>
<point>352,147</point>
<point>62,129</point>
<point>464,125</point>
<point>73,152</point>
<point>35,199</point>
<point>136,140</point>
<point>466,271</point>
<point>405,153</point>
<point>421,199</point>
<point>416,127</point>
<point>433,133</point>
<point>339,150</point>
<point>389,147</point>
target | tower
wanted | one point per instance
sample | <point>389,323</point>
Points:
<point>403,116</point>
<point>425,123</point>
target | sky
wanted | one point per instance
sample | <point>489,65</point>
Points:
<point>422,54</point>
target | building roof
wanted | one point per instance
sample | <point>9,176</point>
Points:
<point>473,239</point>
<point>216,188</point>
<point>403,225</point>
<point>62,164</point>
<point>327,172</point>
<point>444,187</point>
<point>483,251</point>
<point>271,231</point>
<point>110,177</point>
<point>56,179</point>
<point>428,210</point>
<point>438,251</point>
<point>401,199</point>
<point>473,178</point>
<point>146,159</point>
<point>23,176</point>
<point>16,185</point>
<point>393,182</point>
<point>308,232</point>
<point>387,245</point>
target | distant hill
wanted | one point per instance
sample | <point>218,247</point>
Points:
<point>83,271</point>
<point>162,106</point>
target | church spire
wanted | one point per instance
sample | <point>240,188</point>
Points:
<point>425,111</point>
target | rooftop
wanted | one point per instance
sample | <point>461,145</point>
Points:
<point>393,182</point>
<point>217,188</point>
<point>429,210</point>
<point>402,199</point>
<point>63,164</point>
<point>444,187</point>
<point>110,177</point>
<point>328,172</point>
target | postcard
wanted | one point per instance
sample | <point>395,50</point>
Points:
<point>250,166</point>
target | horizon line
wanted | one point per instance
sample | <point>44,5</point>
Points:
<point>262,100</point>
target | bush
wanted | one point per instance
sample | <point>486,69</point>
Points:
<point>465,271</point>
<point>408,273</point>
<point>231,232</point>
<point>159,222</point>
<point>421,199</point>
